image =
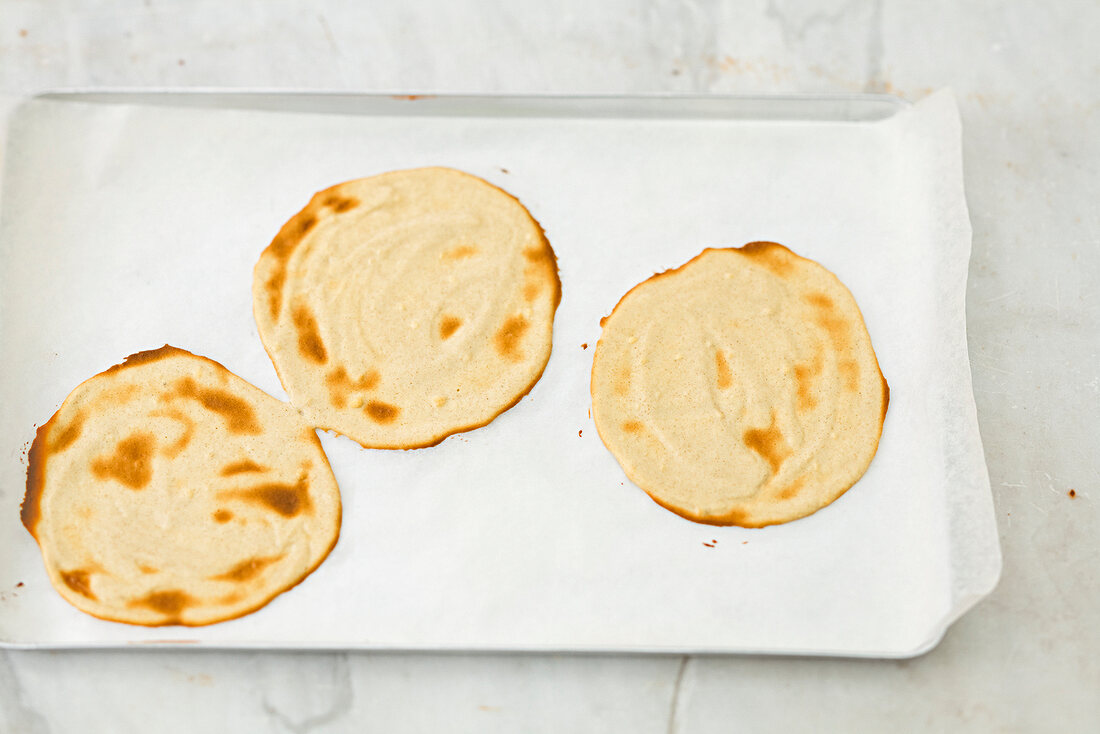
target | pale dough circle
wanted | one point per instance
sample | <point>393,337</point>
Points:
<point>167,490</point>
<point>740,388</point>
<point>405,307</point>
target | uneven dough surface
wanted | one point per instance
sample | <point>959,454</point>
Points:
<point>402,308</point>
<point>167,490</point>
<point>740,388</point>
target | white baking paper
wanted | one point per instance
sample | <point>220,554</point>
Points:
<point>126,227</point>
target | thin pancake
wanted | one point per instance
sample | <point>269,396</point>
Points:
<point>402,308</point>
<point>167,490</point>
<point>740,388</point>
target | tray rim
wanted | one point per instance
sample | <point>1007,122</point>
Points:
<point>887,104</point>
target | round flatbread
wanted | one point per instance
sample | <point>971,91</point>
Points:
<point>402,308</point>
<point>740,388</point>
<point>167,490</point>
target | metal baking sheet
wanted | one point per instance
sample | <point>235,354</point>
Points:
<point>129,220</point>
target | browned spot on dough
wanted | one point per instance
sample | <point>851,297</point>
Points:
<point>732,517</point>
<point>231,598</point>
<point>448,325</point>
<point>770,255</point>
<point>818,300</point>
<point>885,398</point>
<point>65,436</point>
<point>508,337</point>
<point>369,380</point>
<point>121,394</point>
<point>281,249</point>
<point>169,603</point>
<point>172,450</point>
<point>310,345</point>
<point>836,328</point>
<point>237,413</point>
<point>146,569</point>
<point>804,375</point>
<point>240,467</point>
<point>827,318</point>
<point>150,356</point>
<point>340,204</point>
<point>584,346</point>
<point>274,287</point>
<point>539,255</point>
<point>632,427</point>
<point>340,385</point>
<point>542,269</point>
<point>223,516</point>
<point>725,379</point>
<point>792,489</point>
<point>29,510</point>
<point>850,371</point>
<point>382,412</point>
<point>621,384</point>
<point>246,570</point>
<point>769,443</point>
<point>131,463</point>
<point>79,581</point>
<point>460,253</point>
<point>286,499</point>
<point>291,234</point>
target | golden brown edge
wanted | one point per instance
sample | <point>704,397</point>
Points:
<point>439,438</point>
<point>36,478</point>
<point>736,516</point>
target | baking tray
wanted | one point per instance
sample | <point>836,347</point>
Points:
<point>133,219</point>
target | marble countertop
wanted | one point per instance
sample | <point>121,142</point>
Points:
<point>1027,76</point>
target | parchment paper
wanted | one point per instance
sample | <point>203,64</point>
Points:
<point>127,227</point>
